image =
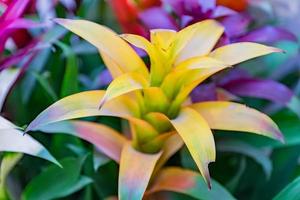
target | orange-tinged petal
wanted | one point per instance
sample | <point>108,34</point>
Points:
<point>86,104</point>
<point>205,35</point>
<point>239,52</point>
<point>188,182</point>
<point>224,115</point>
<point>105,139</point>
<point>197,136</point>
<point>135,172</point>
<point>123,84</point>
<point>109,43</point>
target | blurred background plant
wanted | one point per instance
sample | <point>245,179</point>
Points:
<point>40,63</point>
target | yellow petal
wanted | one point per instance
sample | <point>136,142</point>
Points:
<point>162,38</point>
<point>201,62</point>
<point>155,99</point>
<point>197,136</point>
<point>198,39</point>
<point>124,84</point>
<point>108,43</point>
<point>224,115</point>
<point>157,58</point>
<point>159,121</point>
<point>139,42</point>
<point>192,70</point>
<point>238,52</point>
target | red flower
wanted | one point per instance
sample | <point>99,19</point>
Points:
<point>127,11</point>
<point>238,5</point>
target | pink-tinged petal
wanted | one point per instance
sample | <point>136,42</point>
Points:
<point>13,140</point>
<point>7,79</point>
<point>15,9</point>
<point>223,115</point>
<point>175,179</point>
<point>157,18</point>
<point>196,134</point>
<point>105,139</point>
<point>267,34</point>
<point>135,172</point>
<point>86,104</point>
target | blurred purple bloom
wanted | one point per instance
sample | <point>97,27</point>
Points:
<point>204,92</point>
<point>157,17</point>
<point>192,11</point>
<point>265,89</point>
<point>236,25</point>
<point>268,34</point>
<point>104,79</point>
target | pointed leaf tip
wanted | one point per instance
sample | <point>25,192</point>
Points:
<point>196,134</point>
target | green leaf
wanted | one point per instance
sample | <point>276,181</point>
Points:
<point>42,80</point>
<point>290,192</point>
<point>248,150</point>
<point>70,81</point>
<point>55,182</point>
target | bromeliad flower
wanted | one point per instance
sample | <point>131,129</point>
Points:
<point>156,101</point>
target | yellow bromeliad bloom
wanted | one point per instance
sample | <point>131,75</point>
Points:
<point>156,102</point>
